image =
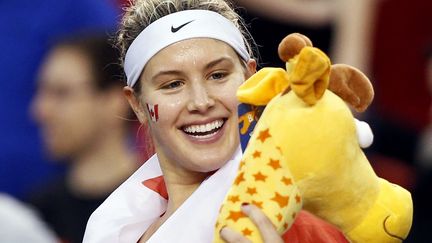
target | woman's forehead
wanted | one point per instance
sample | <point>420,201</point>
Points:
<point>196,49</point>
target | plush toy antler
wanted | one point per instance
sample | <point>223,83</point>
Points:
<point>346,81</point>
<point>305,150</point>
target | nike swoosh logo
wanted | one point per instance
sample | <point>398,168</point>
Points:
<point>175,29</point>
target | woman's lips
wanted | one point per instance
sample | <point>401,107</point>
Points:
<point>205,133</point>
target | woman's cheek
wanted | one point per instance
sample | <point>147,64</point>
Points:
<point>169,110</point>
<point>230,96</point>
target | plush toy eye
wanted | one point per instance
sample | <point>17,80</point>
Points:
<point>364,133</point>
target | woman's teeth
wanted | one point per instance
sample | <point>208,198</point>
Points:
<point>204,129</point>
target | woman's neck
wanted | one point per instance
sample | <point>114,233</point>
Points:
<point>180,185</point>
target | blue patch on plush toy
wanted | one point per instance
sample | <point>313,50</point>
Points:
<point>248,118</point>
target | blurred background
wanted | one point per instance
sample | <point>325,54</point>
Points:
<point>390,40</point>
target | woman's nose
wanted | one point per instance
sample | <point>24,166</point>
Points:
<point>200,99</point>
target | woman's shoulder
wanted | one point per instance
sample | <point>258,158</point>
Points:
<point>308,228</point>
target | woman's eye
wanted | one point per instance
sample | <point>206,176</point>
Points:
<point>218,76</point>
<point>172,85</point>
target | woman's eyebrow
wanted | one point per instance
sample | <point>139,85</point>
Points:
<point>217,61</point>
<point>167,72</point>
<point>178,72</point>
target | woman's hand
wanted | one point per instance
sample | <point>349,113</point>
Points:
<point>265,226</point>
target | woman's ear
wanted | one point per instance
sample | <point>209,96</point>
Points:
<point>251,67</point>
<point>135,104</point>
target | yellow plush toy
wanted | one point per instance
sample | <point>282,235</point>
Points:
<point>305,153</point>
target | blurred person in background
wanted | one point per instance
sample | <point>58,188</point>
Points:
<point>82,114</point>
<point>20,223</point>
<point>27,27</point>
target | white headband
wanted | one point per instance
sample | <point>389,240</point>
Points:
<point>176,27</point>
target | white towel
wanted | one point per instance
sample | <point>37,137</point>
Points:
<point>132,208</point>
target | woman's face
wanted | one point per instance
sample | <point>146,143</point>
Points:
<point>193,83</point>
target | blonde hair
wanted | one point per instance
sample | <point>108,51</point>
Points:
<point>142,13</point>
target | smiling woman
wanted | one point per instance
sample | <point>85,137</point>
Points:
<point>194,89</point>
<point>184,61</point>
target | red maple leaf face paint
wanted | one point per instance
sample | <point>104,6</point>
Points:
<point>153,112</point>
